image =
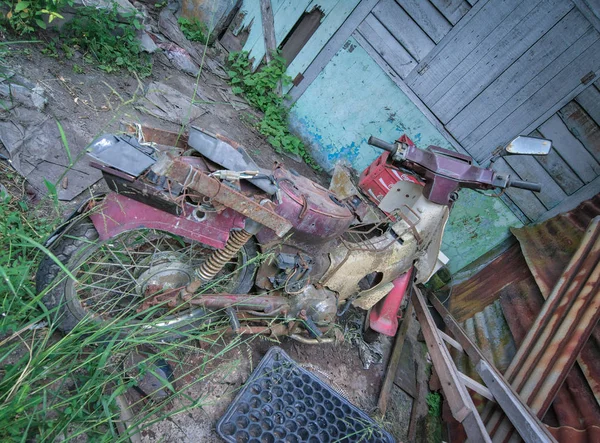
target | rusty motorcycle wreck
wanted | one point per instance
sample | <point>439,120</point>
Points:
<point>193,226</point>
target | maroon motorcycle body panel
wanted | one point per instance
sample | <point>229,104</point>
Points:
<point>316,214</point>
<point>119,214</point>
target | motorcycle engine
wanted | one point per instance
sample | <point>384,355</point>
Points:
<point>319,304</point>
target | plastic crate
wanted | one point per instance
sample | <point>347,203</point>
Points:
<point>282,402</point>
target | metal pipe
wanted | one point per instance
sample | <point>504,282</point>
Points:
<point>312,341</point>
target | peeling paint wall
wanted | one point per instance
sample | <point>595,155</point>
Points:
<point>285,15</point>
<point>354,98</point>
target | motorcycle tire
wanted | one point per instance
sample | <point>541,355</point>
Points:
<point>76,250</point>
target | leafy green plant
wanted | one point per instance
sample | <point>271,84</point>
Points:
<point>434,404</point>
<point>107,37</point>
<point>193,29</point>
<point>260,89</point>
<point>25,16</point>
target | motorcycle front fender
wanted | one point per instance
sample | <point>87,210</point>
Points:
<point>117,214</point>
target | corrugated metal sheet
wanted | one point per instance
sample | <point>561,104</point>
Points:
<point>557,238</point>
<point>574,416</point>
<point>549,350</point>
<point>475,294</point>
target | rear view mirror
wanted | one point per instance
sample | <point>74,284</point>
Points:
<point>529,145</point>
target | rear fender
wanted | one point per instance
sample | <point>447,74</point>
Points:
<point>75,215</point>
<point>118,214</point>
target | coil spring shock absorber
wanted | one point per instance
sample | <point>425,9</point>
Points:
<point>219,258</point>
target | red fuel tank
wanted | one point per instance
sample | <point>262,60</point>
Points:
<point>315,212</point>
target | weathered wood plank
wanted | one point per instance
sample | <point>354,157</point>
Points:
<point>585,193</point>
<point>583,127</point>
<point>540,81</point>
<point>543,53</point>
<point>591,9</point>
<point>525,200</point>
<point>533,104</point>
<point>387,46</point>
<point>562,174</point>
<point>453,10</point>
<point>589,100</point>
<point>503,52</point>
<point>409,93</point>
<point>459,44</point>
<point>570,149</point>
<point>268,28</point>
<point>427,17</point>
<point>333,45</point>
<point>472,2</point>
<point>306,28</point>
<point>328,27</point>
<point>530,170</point>
<point>403,28</point>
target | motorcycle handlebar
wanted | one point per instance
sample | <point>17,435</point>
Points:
<point>535,187</point>
<point>382,144</point>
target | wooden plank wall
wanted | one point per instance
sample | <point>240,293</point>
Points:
<point>424,23</point>
<point>496,69</point>
<point>572,167</point>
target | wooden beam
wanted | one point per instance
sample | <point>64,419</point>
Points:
<point>476,386</point>
<point>586,9</point>
<point>392,368</point>
<point>450,341</point>
<point>459,400</point>
<point>266,12</point>
<point>529,427</point>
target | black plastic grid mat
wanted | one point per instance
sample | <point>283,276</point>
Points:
<point>282,402</point>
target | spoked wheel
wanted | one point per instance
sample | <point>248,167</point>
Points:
<point>115,277</point>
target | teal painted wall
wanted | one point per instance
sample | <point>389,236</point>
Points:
<point>353,98</point>
<point>285,15</point>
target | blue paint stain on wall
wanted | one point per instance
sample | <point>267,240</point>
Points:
<point>353,98</point>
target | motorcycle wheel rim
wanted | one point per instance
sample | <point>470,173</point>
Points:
<point>108,274</point>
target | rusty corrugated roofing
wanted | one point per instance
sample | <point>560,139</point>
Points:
<point>575,414</point>
<point>558,333</point>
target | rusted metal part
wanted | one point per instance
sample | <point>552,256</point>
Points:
<point>485,287</point>
<point>508,283</point>
<point>119,214</point>
<point>265,303</point>
<point>315,212</point>
<point>530,428</point>
<point>196,180</point>
<point>559,238</point>
<point>394,362</point>
<point>463,409</point>
<point>560,331</point>
<point>161,137</point>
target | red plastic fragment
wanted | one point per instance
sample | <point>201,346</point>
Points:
<point>383,317</point>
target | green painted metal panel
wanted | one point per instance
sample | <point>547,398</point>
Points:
<point>354,98</point>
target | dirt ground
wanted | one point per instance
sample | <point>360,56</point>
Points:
<point>92,103</point>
